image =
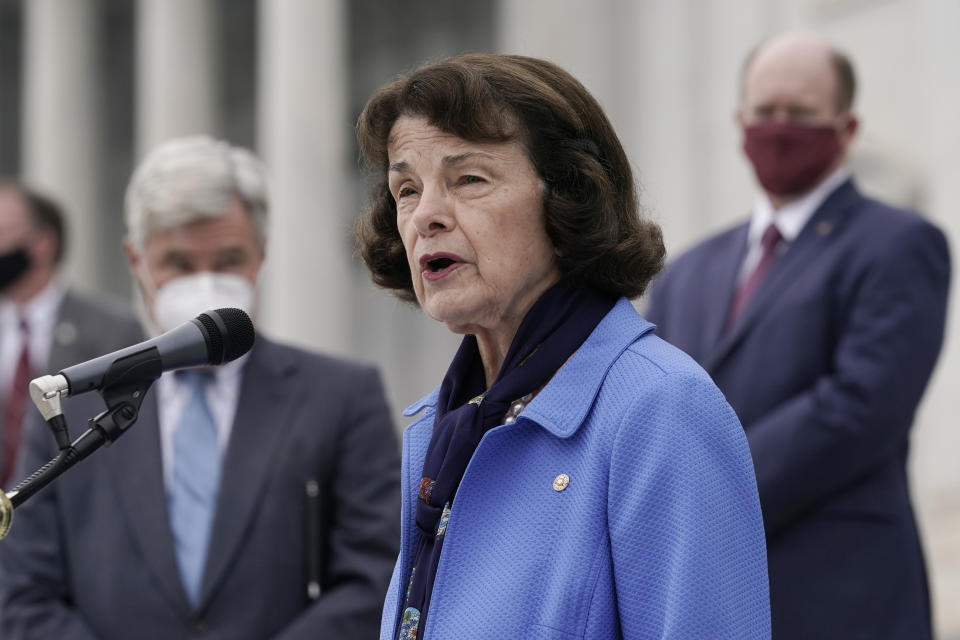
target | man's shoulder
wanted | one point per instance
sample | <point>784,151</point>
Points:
<point>715,242</point>
<point>107,310</point>
<point>707,249</point>
<point>887,218</point>
<point>877,231</point>
<point>311,361</point>
<point>89,325</point>
<point>318,382</point>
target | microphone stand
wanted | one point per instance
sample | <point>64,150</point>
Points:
<point>124,386</point>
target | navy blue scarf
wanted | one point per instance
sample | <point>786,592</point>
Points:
<point>554,328</point>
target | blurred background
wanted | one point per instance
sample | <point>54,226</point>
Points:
<point>88,86</point>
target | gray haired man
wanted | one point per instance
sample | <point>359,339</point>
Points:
<point>257,500</point>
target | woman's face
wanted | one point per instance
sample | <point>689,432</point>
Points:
<point>471,219</point>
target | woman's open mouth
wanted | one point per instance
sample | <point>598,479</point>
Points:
<point>436,266</point>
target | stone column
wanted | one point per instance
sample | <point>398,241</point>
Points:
<point>177,70</point>
<point>935,438</point>
<point>651,66</point>
<point>581,37</point>
<point>60,136</point>
<point>303,130</point>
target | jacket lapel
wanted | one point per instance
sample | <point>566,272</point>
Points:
<point>143,499</point>
<point>720,281</point>
<point>264,411</point>
<point>562,406</point>
<point>65,349</point>
<point>823,226</point>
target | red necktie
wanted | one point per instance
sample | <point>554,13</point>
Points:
<point>16,408</point>
<point>770,241</point>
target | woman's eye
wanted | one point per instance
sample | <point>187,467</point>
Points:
<point>404,192</point>
<point>471,180</point>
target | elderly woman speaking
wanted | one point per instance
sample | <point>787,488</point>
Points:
<point>574,476</point>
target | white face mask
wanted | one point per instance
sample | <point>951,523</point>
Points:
<point>184,298</point>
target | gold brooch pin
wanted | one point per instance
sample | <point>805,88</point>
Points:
<point>561,482</point>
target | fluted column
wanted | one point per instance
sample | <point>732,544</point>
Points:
<point>60,135</point>
<point>303,129</point>
<point>177,70</point>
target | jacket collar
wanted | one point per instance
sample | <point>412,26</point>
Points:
<point>562,405</point>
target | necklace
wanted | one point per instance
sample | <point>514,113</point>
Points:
<point>516,407</point>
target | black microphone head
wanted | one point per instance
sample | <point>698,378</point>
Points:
<point>228,333</point>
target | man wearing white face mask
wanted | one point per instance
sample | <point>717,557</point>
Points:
<point>255,500</point>
<point>183,297</point>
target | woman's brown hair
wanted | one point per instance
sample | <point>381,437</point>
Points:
<point>590,202</point>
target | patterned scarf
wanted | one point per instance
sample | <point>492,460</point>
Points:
<point>553,329</point>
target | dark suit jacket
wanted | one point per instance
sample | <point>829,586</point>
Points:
<point>92,555</point>
<point>825,369</point>
<point>86,327</point>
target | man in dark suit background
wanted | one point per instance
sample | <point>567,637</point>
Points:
<point>821,319</point>
<point>44,325</point>
<point>256,500</point>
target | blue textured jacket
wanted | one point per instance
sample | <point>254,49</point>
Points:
<point>658,534</point>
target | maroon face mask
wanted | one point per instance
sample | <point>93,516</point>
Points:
<point>788,158</point>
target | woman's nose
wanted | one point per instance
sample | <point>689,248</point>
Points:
<point>434,212</point>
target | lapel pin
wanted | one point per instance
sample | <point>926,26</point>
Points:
<point>561,482</point>
<point>824,228</point>
<point>65,333</point>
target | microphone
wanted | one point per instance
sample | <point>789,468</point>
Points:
<point>212,338</point>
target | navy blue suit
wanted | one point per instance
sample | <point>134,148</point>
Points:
<point>825,368</point>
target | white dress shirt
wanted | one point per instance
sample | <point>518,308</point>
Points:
<point>222,395</point>
<point>41,314</point>
<point>790,219</point>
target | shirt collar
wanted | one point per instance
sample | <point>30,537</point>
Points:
<point>793,216</point>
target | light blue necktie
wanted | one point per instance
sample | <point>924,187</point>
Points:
<point>196,476</point>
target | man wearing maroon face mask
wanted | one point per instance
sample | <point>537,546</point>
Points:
<point>820,319</point>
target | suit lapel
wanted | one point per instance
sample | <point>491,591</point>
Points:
<point>720,281</point>
<point>264,410</point>
<point>143,498</point>
<point>65,348</point>
<point>823,226</point>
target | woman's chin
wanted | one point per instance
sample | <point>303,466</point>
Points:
<point>455,319</point>
<point>450,309</point>
<point>460,327</point>
<point>456,322</point>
